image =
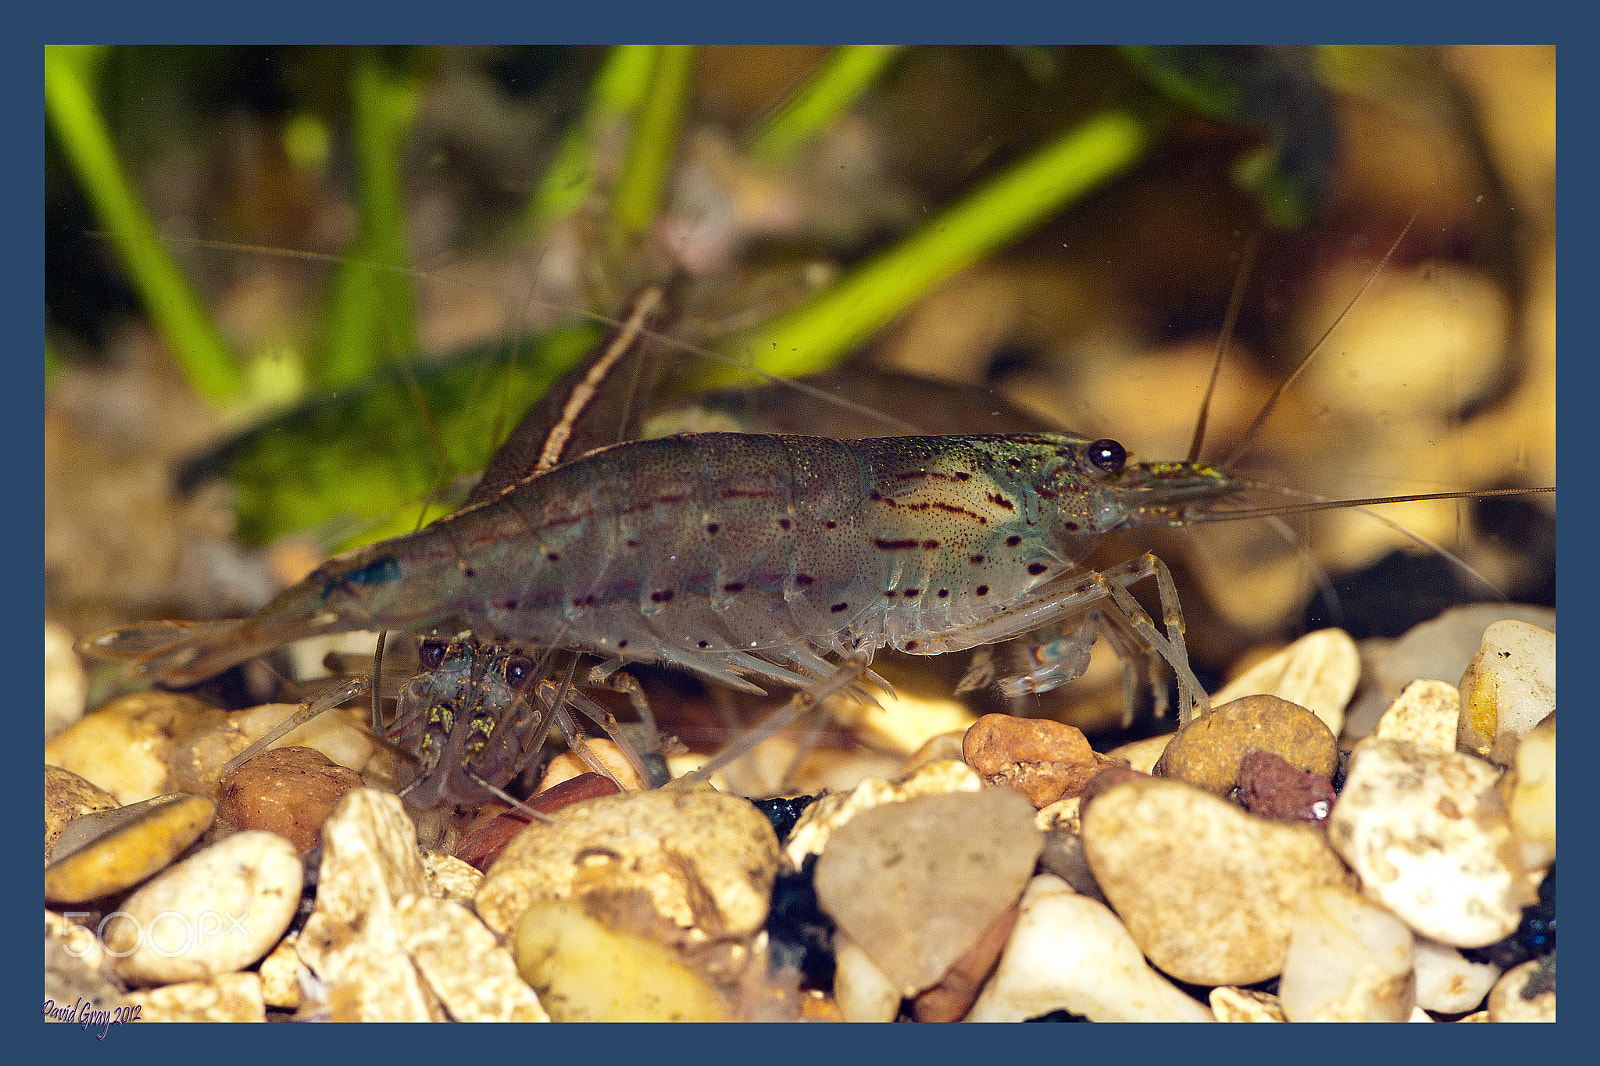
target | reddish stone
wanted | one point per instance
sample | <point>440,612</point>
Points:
<point>486,838</point>
<point>1270,786</point>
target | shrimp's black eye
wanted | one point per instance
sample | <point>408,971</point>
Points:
<point>431,652</point>
<point>518,669</point>
<point>1107,455</point>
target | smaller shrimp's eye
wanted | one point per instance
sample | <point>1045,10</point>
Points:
<point>1107,455</point>
<point>518,669</point>
<point>431,652</point>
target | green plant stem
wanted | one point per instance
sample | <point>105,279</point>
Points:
<point>176,313</point>
<point>372,312</point>
<point>618,91</point>
<point>847,73</point>
<point>813,336</point>
<point>641,189</point>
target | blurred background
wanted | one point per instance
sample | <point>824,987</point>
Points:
<point>1054,229</point>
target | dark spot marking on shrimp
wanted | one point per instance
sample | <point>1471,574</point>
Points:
<point>469,571</point>
<point>962,475</point>
<point>874,495</point>
<point>1000,501</point>
<point>661,596</point>
<point>632,543</point>
<point>733,586</point>
<point>712,527</point>
<point>376,572</point>
<point>553,557</point>
<point>975,560</point>
<point>982,590</point>
<point>1037,568</point>
<point>912,645</point>
<point>803,579</point>
<point>783,523</point>
<point>754,494</point>
<point>508,605</point>
<point>830,524</point>
<point>1013,540</point>
<point>836,608</point>
<point>675,497</point>
<point>912,593</point>
<point>953,509</point>
<point>1070,527</point>
<point>1045,494</point>
<point>704,644</point>
<point>623,643</point>
<point>930,545</point>
<point>895,545</point>
<point>944,594</point>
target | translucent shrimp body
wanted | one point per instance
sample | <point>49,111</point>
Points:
<point>743,556</point>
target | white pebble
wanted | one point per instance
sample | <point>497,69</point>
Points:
<point>1070,953</point>
<point>1349,960</point>
<point>863,992</point>
<point>216,912</point>
<point>1446,981</point>
<point>1427,834</point>
<point>1508,689</point>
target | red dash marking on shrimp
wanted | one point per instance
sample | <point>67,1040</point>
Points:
<point>896,545</point>
<point>1000,501</point>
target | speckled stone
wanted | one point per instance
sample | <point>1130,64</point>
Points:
<point>1526,993</point>
<point>1207,752</point>
<point>1427,834</point>
<point>450,878</point>
<point>1446,981</point>
<point>1507,690</point>
<point>218,911</point>
<point>916,883</point>
<point>703,860</point>
<point>229,997</point>
<point>288,791</point>
<point>863,992</point>
<point>1070,953</point>
<point>1245,1005</point>
<point>1319,672</point>
<point>1039,759</point>
<point>1206,890</point>
<point>124,747</point>
<point>113,850</point>
<point>1349,960</point>
<point>828,814</point>
<point>352,942</point>
<point>343,736</point>
<point>1531,788</point>
<point>473,976</point>
<point>1426,713</point>
<point>951,998</point>
<point>66,798</point>
<point>584,971</point>
<point>280,975</point>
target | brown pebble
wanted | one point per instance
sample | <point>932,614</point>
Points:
<point>1271,788</point>
<point>1108,778</point>
<point>953,996</point>
<point>486,838</point>
<point>66,798</point>
<point>1206,753</point>
<point>1040,759</point>
<point>287,791</point>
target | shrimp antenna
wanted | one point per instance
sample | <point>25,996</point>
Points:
<point>1277,393</point>
<point>1235,302</point>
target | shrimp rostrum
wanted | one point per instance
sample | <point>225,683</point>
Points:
<point>750,558</point>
